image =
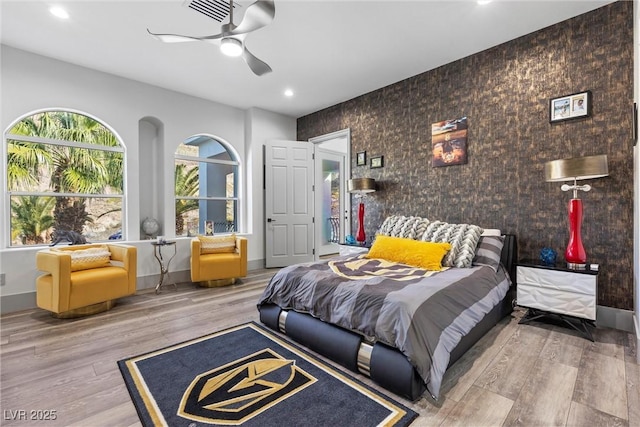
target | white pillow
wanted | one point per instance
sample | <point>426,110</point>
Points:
<point>491,232</point>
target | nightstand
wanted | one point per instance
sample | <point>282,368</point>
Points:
<point>570,294</point>
<point>353,249</point>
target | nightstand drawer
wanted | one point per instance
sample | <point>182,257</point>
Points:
<point>556,300</point>
<point>565,281</point>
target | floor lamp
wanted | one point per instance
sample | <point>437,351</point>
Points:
<point>360,187</point>
<point>579,168</point>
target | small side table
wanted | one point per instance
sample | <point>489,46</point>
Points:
<point>353,248</point>
<point>164,262</point>
<point>556,290</point>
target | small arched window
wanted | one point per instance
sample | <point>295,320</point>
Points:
<point>65,173</point>
<point>207,175</point>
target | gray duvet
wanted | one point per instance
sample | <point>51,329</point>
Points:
<point>423,314</point>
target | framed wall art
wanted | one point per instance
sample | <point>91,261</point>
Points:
<point>449,142</point>
<point>569,107</point>
<point>361,158</point>
<point>208,228</point>
<point>377,162</point>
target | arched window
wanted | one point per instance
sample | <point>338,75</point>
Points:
<point>206,187</point>
<point>64,174</point>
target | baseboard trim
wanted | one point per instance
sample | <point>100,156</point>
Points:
<point>17,302</point>
<point>26,301</point>
<point>637,330</point>
<point>615,318</point>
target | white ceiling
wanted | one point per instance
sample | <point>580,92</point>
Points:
<point>325,51</point>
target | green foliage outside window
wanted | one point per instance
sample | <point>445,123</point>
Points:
<point>60,167</point>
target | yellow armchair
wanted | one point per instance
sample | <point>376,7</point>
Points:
<point>220,268</point>
<point>85,279</point>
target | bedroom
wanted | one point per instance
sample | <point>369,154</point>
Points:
<point>510,182</point>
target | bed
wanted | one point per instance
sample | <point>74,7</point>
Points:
<point>400,325</point>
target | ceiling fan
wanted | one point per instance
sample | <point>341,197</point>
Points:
<point>257,15</point>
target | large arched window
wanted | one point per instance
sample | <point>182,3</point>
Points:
<point>64,173</point>
<point>206,187</point>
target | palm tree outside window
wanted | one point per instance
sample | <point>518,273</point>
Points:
<point>64,172</point>
<point>206,186</point>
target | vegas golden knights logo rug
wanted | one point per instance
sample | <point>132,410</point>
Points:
<point>249,376</point>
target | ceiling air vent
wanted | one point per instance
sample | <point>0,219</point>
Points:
<point>214,9</point>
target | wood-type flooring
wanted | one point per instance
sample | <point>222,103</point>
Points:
<point>531,375</point>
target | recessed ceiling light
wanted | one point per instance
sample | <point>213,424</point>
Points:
<point>59,12</point>
<point>483,2</point>
<point>288,93</point>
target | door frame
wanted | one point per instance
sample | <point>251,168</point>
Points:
<point>346,135</point>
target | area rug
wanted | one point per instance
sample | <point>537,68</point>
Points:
<point>249,376</point>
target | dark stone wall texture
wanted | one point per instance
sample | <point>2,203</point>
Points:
<point>505,91</point>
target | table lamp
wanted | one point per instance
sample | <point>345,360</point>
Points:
<point>360,187</point>
<point>579,168</point>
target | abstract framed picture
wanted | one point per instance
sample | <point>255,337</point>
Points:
<point>569,107</point>
<point>361,158</point>
<point>377,162</point>
<point>449,142</point>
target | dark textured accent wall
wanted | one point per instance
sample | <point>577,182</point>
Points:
<point>505,91</point>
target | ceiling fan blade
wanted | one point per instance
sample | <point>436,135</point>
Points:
<point>257,15</point>
<point>258,66</point>
<point>177,38</point>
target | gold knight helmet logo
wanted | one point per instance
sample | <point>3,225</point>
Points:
<point>238,391</point>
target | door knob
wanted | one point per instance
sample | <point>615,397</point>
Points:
<point>271,220</point>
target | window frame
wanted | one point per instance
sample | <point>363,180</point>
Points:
<point>237,163</point>
<point>8,136</point>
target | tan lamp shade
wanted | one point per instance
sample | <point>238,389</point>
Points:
<point>577,168</point>
<point>361,185</point>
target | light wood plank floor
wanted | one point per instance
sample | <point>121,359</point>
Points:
<point>530,375</point>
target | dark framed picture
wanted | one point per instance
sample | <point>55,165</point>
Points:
<point>449,142</point>
<point>569,107</point>
<point>361,158</point>
<point>377,162</point>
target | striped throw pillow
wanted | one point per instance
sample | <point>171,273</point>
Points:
<point>489,251</point>
<point>462,237</point>
<point>407,227</point>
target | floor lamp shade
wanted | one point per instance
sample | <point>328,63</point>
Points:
<point>579,168</point>
<point>360,187</point>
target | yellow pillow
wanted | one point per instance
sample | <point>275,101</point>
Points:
<point>85,259</point>
<point>427,255</point>
<point>217,244</point>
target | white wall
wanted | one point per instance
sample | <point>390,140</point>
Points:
<point>31,82</point>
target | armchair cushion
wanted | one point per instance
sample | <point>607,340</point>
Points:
<point>217,244</point>
<point>85,259</point>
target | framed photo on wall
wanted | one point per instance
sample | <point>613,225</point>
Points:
<point>208,228</point>
<point>449,142</point>
<point>361,158</point>
<point>377,162</point>
<point>569,107</point>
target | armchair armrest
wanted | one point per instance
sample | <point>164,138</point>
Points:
<point>58,265</point>
<point>195,259</point>
<point>241,247</point>
<point>128,255</point>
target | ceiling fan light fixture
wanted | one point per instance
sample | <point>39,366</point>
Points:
<point>231,46</point>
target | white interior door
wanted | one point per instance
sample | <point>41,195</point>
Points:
<point>330,197</point>
<point>289,228</point>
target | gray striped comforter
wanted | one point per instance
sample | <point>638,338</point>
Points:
<point>423,314</point>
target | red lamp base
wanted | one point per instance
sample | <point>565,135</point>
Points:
<point>360,236</point>
<point>575,254</point>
